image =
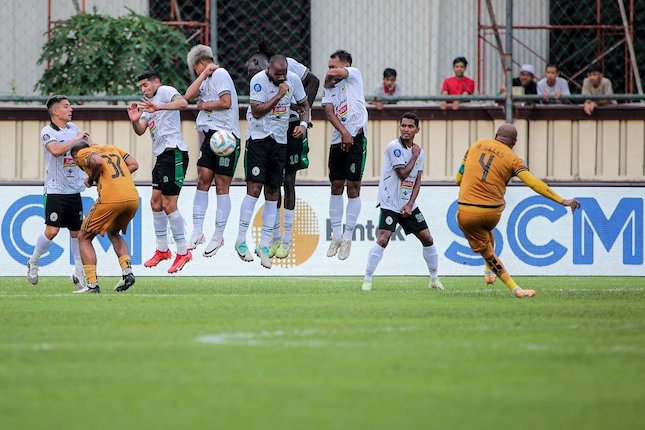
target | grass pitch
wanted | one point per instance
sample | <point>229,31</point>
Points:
<point>311,353</point>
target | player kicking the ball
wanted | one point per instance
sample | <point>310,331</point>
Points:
<point>218,110</point>
<point>398,190</point>
<point>487,167</point>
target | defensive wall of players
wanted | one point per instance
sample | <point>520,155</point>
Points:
<point>558,142</point>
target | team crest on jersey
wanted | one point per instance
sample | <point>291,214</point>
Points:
<point>397,152</point>
<point>257,87</point>
<point>45,137</point>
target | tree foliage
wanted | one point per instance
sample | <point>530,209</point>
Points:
<point>94,54</point>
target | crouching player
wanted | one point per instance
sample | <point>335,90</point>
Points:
<point>111,169</point>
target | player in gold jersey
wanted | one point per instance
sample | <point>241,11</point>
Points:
<point>487,167</point>
<point>118,202</point>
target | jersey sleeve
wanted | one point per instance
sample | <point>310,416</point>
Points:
<point>326,97</point>
<point>47,137</point>
<point>222,83</point>
<point>298,68</point>
<point>353,74</point>
<point>299,93</point>
<point>421,161</point>
<point>257,93</point>
<point>518,165</point>
<point>169,93</point>
<point>395,154</point>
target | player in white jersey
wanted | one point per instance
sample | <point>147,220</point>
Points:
<point>344,103</point>
<point>218,110</point>
<point>398,190</point>
<point>272,91</point>
<point>297,147</point>
<point>159,112</point>
<point>62,186</point>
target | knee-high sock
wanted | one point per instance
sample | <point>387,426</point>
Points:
<point>373,258</point>
<point>276,225</point>
<point>497,267</point>
<point>200,205</point>
<point>352,212</point>
<point>431,256</point>
<point>42,246</point>
<point>178,231</point>
<point>161,230</point>
<point>246,212</point>
<point>90,273</point>
<point>221,216</point>
<point>268,219</point>
<point>289,215</point>
<point>78,262</point>
<point>336,215</point>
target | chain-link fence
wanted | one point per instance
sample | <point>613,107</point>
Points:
<point>418,38</point>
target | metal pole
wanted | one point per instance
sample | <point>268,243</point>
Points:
<point>498,39</point>
<point>213,25</point>
<point>630,45</point>
<point>508,106</point>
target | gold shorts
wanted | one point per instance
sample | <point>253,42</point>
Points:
<point>115,217</point>
<point>477,225</point>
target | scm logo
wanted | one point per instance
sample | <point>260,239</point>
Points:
<point>22,210</point>
<point>590,225</point>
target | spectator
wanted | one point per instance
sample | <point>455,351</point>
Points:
<point>552,86</point>
<point>457,85</point>
<point>389,87</point>
<point>526,80</point>
<point>595,84</point>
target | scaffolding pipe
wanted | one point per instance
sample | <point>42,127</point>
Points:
<point>213,25</point>
<point>508,57</point>
<point>498,39</point>
<point>630,46</point>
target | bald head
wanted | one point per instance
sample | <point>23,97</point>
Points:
<point>507,134</point>
<point>277,70</point>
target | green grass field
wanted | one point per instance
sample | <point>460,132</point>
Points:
<point>309,353</point>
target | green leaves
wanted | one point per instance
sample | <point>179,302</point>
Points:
<point>100,55</point>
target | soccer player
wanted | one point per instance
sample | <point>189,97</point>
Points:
<point>272,91</point>
<point>159,111</point>
<point>218,110</point>
<point>63,184</point>
<point>297,147</point>
<point>344,103</point>
<point>398,190</point>
<point>111,169</point>
<point>487,167</point>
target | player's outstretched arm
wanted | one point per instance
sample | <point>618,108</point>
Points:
<point>539,186</point>
<point>131,163</point>
<point>95,164</point>
<point>139,124</point>
<point>334,76</point>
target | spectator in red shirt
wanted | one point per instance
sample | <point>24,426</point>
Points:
<point>458,84</point>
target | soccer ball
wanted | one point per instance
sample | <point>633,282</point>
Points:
<point>223,143</point>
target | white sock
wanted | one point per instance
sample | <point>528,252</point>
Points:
<point>289,215</point>
<point>352,212</point>
<point>276,225</point>
<point>431,256</point>
<point>268,219</point>
<point>200,205</point>
<point>42,246</point>
<point>336,215</point>
<point>373,259</point>
<point>221,216</point>
<point>78,262</point>
<point>178,232</point>
<point>161,230</point>
<point>246,212</point>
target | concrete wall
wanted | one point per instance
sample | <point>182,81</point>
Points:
<point>556,149</point>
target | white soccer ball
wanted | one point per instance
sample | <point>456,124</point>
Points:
<point>223,143</point>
